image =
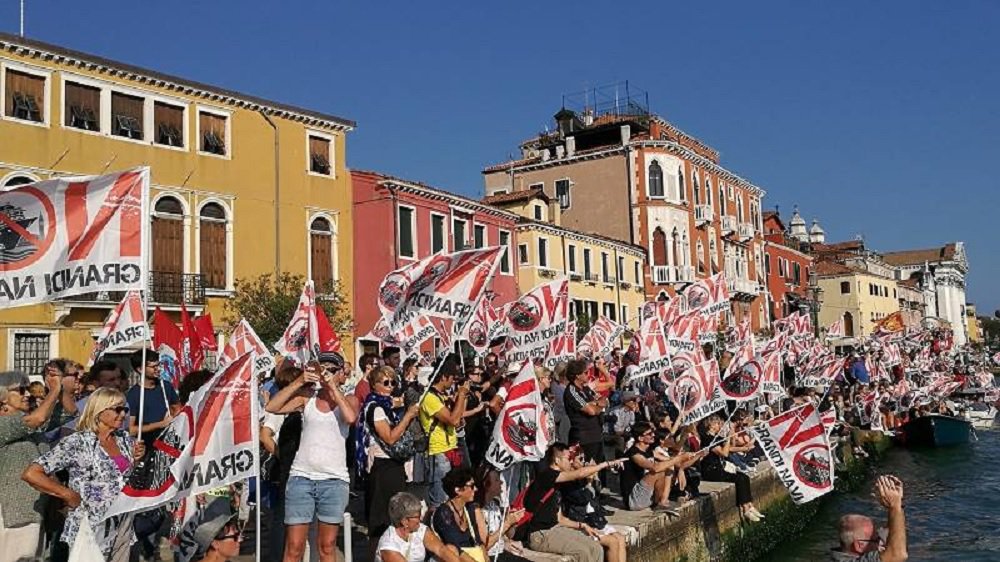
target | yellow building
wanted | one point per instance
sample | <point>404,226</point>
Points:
<point>972,323</point>
<point>858,297</point>
<point>240,185</point>
<point>605,275</point>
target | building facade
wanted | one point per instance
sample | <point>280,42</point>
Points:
<point>787,268</point>
<point>973,326</point>
<point>942,270</point>
<point>241,186</point>
<point>629,175</point>
<point>397,222</point>
<point>605,275</point>
<point>855,295</point>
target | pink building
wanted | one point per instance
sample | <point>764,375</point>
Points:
<point>397,222</point>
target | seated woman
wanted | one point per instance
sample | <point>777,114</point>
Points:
<point>407,539</point>
<point>549,530</point>
<point>461,523</point>
<point>98,457</point>
<point>646,482</point>
<point>490,499</point>
<point>742,452</point>
<point>688,480</point>
<point>713,466</point>
<point>581,505</point>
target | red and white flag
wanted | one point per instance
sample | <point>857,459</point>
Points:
<point>601,338</point>
<point>523,430</point>
<point>796,444</point>
<point>682,333</point>
<point>211,443</point>
<point>301,340</point>
<point>822,374</point>
<point>708,296</point>
<point>563,348</point>
<point>245,340</point>
<point>125,326</point>
<point>329,340</point>
<point>191,356</point>
<point>771,378</point>
<point>696,393</point>
<point>709,328</point>
<point>73,235</point>
<point>836,330</point>
<point>442,285</point>
<point>891,355</point>
<point>742,336</point>
<point>535,319</point>
<point>649,349</point>
<point>476,331</point>
<point>408,339</point>
<point>742,380</point>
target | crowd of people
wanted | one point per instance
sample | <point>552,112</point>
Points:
<point>408,455</point>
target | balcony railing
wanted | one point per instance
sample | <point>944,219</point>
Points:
<point>743,286</point>
<point>703,214</point>
<point>745,231</point>
<point>546,272</point>
<point>591,277</point>
<point>664,274</point>
<point>165,287</point>
<point>609,280</point>
<point>728,224</point>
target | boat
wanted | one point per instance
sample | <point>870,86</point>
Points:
<point>981,415</point>
<point>10,236</point>
<point>936,430</point>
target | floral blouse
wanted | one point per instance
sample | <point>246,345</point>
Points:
<point>92,474</point>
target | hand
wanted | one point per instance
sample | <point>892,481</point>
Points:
<point>310,375</point>
<point>166,419</point>
<point>513,516</point>
<point>139,452</point>
<point>72,498</point>
<point>590,531</point>
<point>53,379</point>
<point>413,410</point>
<point>889,492</point>
<point>615,464</point>
<point>464,387</point>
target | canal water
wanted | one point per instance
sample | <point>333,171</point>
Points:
<point>952,502</point>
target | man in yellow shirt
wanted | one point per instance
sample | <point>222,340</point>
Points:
<point>439,424</point>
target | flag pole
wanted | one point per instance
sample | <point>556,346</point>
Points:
<point>144,297</point>
<point>255,437</point>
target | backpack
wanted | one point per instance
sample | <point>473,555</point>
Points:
<point>408,444</point>
<point>521,530</point>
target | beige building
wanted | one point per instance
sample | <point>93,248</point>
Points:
<point>858,297</point>
<point>972,324</point>
<point>605,275</point>
<point>625,173</point>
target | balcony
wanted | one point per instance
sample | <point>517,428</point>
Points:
<point>665,274</point>
<point>703,215</point>
<point>575,277</point>
<point>745,232</point>
<point>546,272</point>
<point>165,288</point>
<point>591,278</point>
<point>728,224</point>
<point>743,287</point>
<point>609,280</point>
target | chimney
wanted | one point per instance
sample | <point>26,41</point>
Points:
<point>560,151</point>
<point>546,155</point>
<point>555,213</point>
<point>570,146</point>
<point>626,134</point>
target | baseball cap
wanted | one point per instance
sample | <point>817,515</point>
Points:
<point>629,395</point>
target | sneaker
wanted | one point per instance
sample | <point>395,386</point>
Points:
<point>754,511</point>
<point>749,516</point>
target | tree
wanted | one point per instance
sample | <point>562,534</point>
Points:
<point>268,302</point>
<point>991,328</point>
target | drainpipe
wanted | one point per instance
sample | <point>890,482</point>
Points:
<point>395,225</point>
<point>630,176</point>
<point>277,196</point>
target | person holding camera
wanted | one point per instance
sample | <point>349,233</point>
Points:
<point>318,484</point>
<point>439,423</point>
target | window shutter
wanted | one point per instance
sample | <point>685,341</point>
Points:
<point>82,107</point>
<point>213,254</point>
<point>168,245</point>
<point>322,260</point>
<point>23,84</point>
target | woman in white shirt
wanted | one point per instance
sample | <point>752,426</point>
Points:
<point>407,539</point>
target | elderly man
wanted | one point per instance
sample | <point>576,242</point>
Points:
<point>861,541</point>
<point>620,421</point>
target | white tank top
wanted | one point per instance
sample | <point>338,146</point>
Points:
<point>322,454</point>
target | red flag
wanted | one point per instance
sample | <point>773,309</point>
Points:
<point>192,356</point>
<point>206,332</point>
<point>328,338</point>
<point>165,332</point>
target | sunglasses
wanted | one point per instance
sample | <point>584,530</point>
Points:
<point>117,409</point>
<point>391,383</point>
<point>231,537</point>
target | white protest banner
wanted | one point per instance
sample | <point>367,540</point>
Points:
<point>125,326</point>
<point>771,377</point>
<point>245,340</point>
<point>301,342</point>
<point>696,393</point>
<point>408,339</point>
<point>708,330</point>
<point>535,319</point>
<point>822,375</point>
<point>682,333</point>
<point>523,430</point>
<point>601,338</point>
<point>211,443</point>
<point>708,296</point>
<point>742,380</point>
<point>441,285</point>
<point>477,330</point>
<point>562,349</point>
<point>651,343</point>
<point>73,235</point>
<point>796,444</point>
<point>836,330</point>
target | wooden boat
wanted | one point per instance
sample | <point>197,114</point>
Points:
<point>981,415</point>
<point>936,430</point>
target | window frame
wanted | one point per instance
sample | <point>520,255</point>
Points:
<point>184,124</point>
<point>542,246</point>
<point>66,111</point>
<point>330,217</point>
<point>45,104</point>
<point>477,228</point>
<point>12,334</point>
<point>413,231</point>
<point>445,232</point>
<point>649,180</point>
<point>506,259</point>
<point>218,112</point>
<point>523,257</point>
<point>571,258</point>
<point>569,191</point>
<point>146,117</point>
<point>227,209</point>
<point>465,232</point>
<point>539,212</point>
<point>331,151</point>
<point>587,265</point>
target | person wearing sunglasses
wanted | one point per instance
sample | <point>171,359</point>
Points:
<point>21,441</point>
<point>99,458</point>
<point>409,540</point>
<point>862,541</point>
<point>379,427</point>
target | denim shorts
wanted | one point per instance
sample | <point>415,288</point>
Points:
<point>324,499</point>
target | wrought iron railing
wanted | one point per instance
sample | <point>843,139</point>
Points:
<point>165,287</point>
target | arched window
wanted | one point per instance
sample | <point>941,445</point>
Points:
<point>321,254</point>
<point>697,190</point>
<point>708,191</point>
<point>702,257</point>
<point>18,180</point>
<point>848,325</point>
<point>681,188</point>
<point>655,179</point>
<point>713,251</point>
<point>659,247</point>
<point>168,235</point>
<point>675,247</point>
<point>212,240</point>
<point>722,199</point>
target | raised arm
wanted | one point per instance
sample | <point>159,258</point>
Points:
<point>288,399</point>
<point>890,494</point>
<point>41,414</point>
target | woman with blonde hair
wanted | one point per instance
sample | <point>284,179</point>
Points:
<point>98,457</point>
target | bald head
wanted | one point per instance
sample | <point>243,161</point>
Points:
<point>856,534</point>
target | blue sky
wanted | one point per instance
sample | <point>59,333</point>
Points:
<point>879,118</point>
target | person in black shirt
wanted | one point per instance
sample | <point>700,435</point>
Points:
<point>584,409</point>
<point>550,531</point>
<point>713,466</point>
<point>646,482</point>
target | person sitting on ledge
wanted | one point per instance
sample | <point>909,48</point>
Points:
<point>861,541</point>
